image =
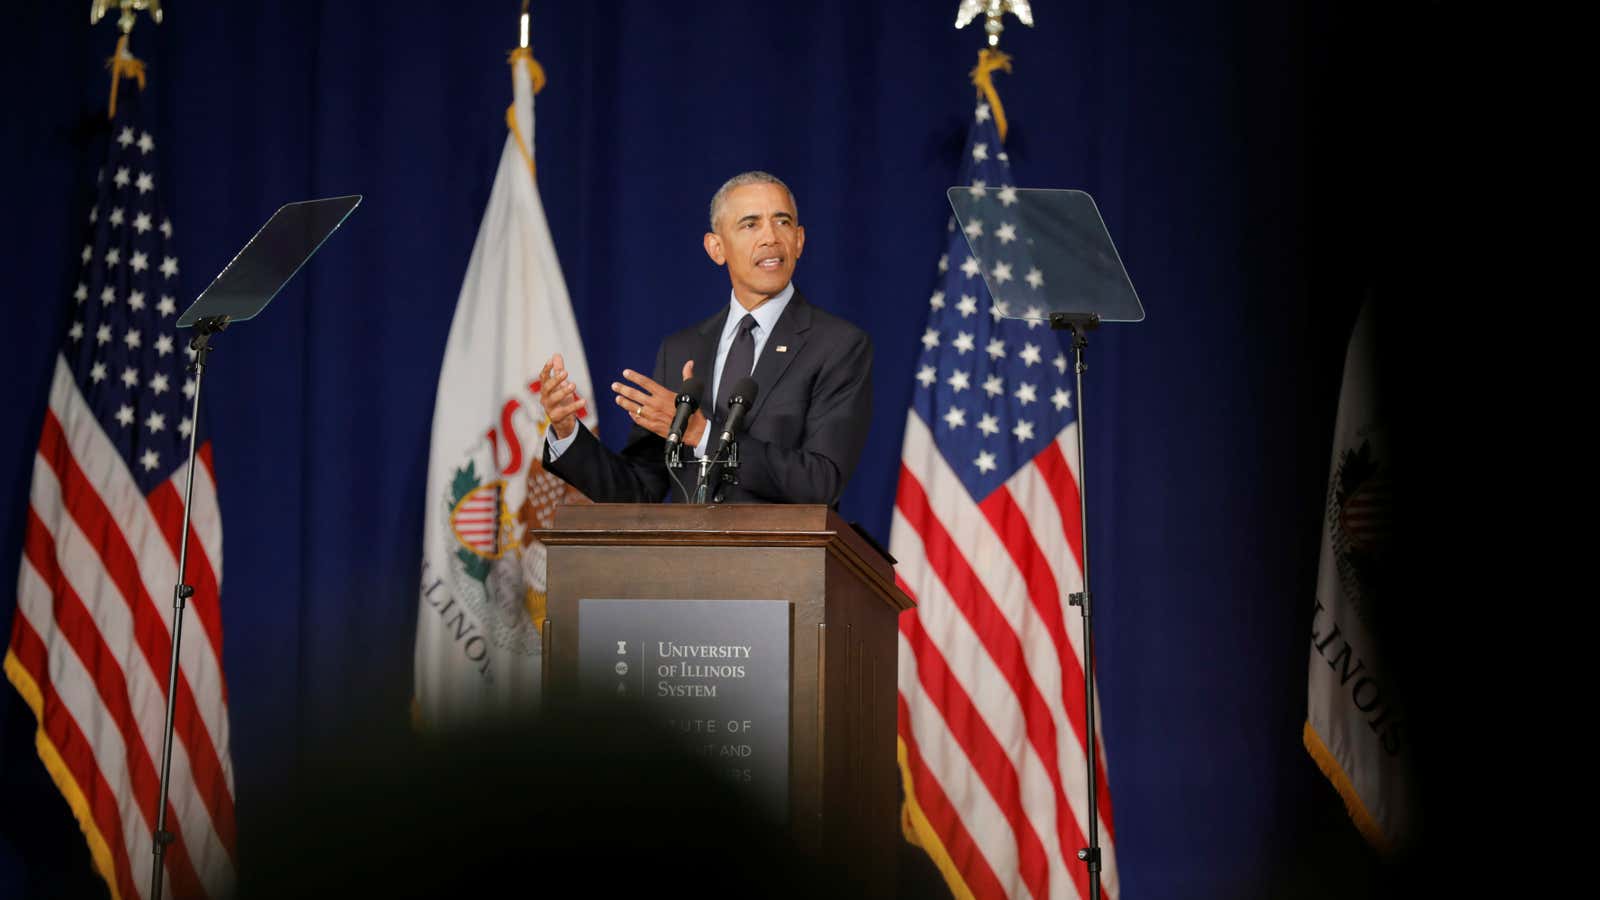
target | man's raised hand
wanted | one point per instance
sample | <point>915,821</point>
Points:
<point>559,397</point>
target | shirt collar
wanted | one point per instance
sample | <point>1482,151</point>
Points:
<point>767,314</point>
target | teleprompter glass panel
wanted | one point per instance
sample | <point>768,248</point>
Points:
<point>1043,251</point>
<point>277,251</point>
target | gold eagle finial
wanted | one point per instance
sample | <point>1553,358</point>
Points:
<point>993,11</point>
<point>98,9</point>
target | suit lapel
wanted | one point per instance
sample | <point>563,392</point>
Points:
<point>705,357</point>
<point>789,334</point>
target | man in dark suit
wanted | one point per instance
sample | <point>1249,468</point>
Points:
<point>803,434</point>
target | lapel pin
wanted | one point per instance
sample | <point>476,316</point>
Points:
<point>782,348</point>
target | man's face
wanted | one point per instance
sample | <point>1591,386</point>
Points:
<point>759,238</point>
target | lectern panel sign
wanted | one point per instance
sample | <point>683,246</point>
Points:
<point>713,672</point>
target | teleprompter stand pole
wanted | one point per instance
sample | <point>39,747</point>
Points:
<point>201,344</point>
<point>243,288</point>
<point>1080,325</point>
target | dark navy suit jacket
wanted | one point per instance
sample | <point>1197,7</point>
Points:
<point>800,442</point>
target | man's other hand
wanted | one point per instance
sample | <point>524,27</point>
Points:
<point>652,406</point>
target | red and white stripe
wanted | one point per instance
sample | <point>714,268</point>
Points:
<point>991,673</point>
<point>91,646</point>
<point>476,520</point>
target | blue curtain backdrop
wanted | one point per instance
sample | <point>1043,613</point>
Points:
<point>1226,142</point>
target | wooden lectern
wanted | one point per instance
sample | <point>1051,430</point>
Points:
<point>843,781</point>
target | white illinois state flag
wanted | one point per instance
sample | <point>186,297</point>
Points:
<point>1355,724</point>
<point>482,597</point>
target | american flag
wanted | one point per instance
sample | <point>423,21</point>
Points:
<point>987,532</point>
<point>90,642</point>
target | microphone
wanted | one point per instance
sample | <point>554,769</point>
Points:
<point>688,401</point>
<point>740,399</point>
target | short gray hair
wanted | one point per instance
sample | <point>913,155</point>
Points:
<point>739,181</point>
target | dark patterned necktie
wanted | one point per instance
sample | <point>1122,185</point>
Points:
<point>741,359</point>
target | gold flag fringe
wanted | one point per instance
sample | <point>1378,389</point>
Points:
<point>918,831</point>
<point>1329,764</point>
